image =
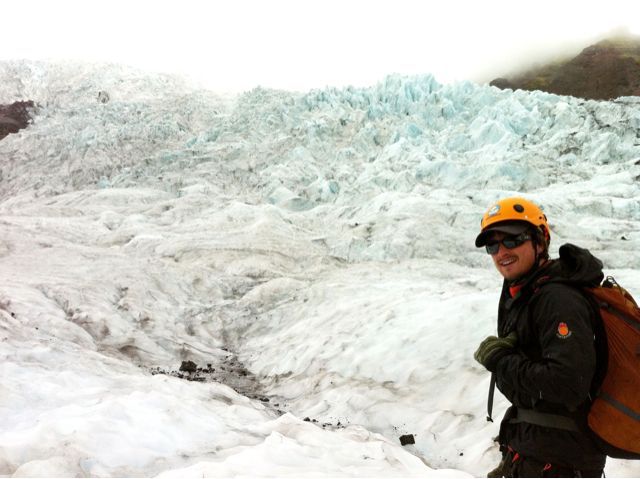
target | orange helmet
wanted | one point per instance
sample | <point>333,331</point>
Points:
<point>513,216</point>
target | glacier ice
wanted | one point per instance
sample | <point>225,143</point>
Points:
<point>323,239</point>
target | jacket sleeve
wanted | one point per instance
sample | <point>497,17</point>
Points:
<point>562,322</point>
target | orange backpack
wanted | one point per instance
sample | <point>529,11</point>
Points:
<point>614,416</point>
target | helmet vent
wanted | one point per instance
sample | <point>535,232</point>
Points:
<point>518,208</point>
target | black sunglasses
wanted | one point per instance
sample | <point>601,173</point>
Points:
<point>508,242</point>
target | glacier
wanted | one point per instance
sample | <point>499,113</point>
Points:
<point>322,240</point>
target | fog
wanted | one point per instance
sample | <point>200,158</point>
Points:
<point>283,44</point>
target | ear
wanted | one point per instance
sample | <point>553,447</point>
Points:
<point>539,248</point>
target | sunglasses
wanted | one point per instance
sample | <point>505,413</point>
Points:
<point>508,242</point>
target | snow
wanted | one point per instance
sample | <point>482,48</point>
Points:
<point>321,240</point>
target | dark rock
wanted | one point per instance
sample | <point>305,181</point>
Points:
<point>306,419</point>
<point>103,97</point>
<point>501,83</point>
<point>15,117</point>
<point>407,439</point>
<point>188,366</point>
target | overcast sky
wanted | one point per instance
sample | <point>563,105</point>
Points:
<point>303,44</point>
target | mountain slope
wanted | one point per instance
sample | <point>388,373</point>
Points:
<point>604,71</point>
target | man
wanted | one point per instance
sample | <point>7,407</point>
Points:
<point>544,358</point>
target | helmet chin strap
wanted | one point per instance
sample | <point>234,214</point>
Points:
<point>538,259</point>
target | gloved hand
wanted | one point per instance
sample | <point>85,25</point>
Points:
<point>493,349</point>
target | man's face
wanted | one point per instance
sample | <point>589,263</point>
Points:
<point>513,263</point>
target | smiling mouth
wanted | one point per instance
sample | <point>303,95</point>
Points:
<point>507,262</point>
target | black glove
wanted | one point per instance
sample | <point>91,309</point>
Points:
<point>493,349</point>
